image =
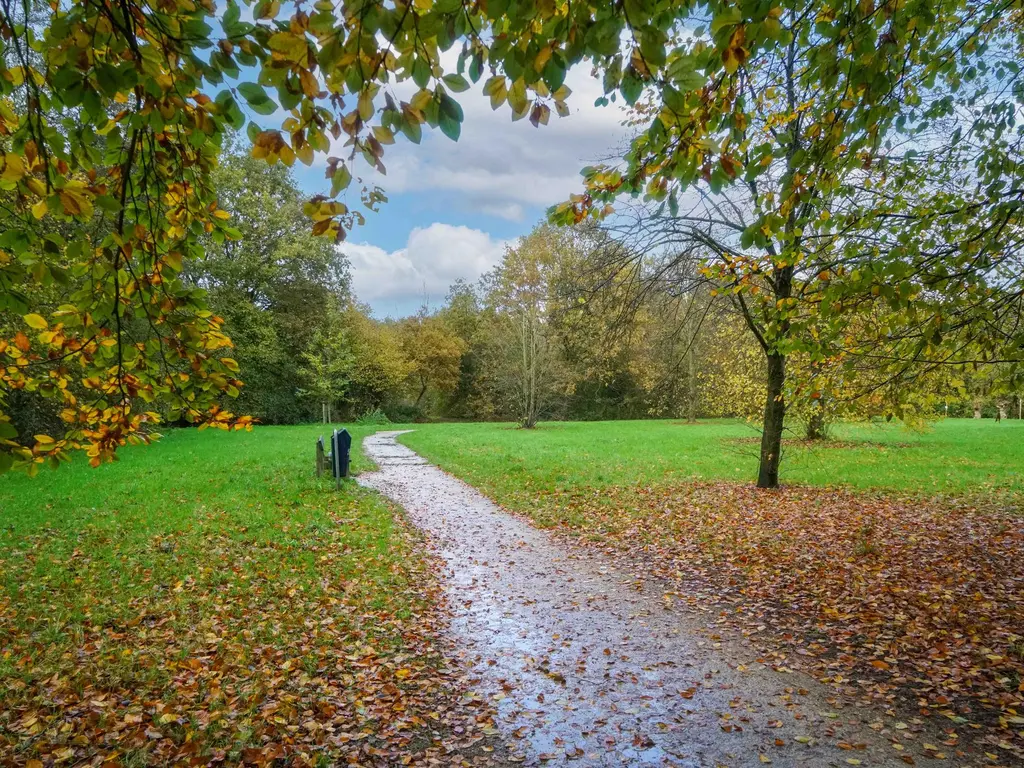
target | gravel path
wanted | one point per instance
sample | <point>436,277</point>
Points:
<point>585,667</point>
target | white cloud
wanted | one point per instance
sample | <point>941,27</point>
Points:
<point>397,282</point>
<point>499,167</point>
<point>510,211</point>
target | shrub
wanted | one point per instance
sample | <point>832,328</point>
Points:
<point>373,417</point>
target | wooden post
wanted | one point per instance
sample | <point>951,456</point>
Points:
<point>321,459</point>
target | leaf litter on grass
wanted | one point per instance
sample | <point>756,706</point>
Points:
<point>915,605</point>
<point>311,643</point>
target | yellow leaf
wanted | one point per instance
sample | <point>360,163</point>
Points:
<point>39,209</point>
<point>291,46</point>
<point>305,154</point>
<point>173,260</point>
<point>13,167</point>
<point>36,321</point>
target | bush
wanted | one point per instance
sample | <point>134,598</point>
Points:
<point>403,413</point>
<point>373,417</point>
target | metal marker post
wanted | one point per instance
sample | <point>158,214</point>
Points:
<point>341,445</point>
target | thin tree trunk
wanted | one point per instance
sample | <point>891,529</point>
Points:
<point>691,373</point>
<point>816,423</point>
<point>774,420</point>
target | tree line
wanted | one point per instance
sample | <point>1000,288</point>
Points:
<point>845,179</point>
<point>557,330</point>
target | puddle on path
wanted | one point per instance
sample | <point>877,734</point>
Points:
<point>587,669</point>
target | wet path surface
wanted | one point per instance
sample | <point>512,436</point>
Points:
<point>587,668</point>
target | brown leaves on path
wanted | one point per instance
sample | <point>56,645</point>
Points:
<point>917,605</point>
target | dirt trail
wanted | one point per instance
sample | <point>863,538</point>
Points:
<point>586,668</point>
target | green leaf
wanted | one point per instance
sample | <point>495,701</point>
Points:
<point>257,98</point>
<point>554,72</point>
<point>421,72</point>
<point>652,45</point>
<point>450,117</point>
<point>673,99</point>
<point>412,130</point>
<point>231,17</point>
<point>632,86</point>
<point>457,83</point>
<point>476,67</point>
<point>341,179</point>
<point>107,78</point>
<point>727,17</point>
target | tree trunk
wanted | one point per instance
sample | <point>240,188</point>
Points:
<point>816,424</point>
<point>774,418</point>
<point>977,410</point>
<point>691,404</point>
<point>423,391</point>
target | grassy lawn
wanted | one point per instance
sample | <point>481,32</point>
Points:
<point>207,598</point>
<point>847,571</point>
<point>950,456</point>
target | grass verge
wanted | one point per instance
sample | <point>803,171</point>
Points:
<point>207,599</point>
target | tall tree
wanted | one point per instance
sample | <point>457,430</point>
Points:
<point>276,286</point>
<point>791,176</point>
<point>327,363</point>
<point>524,355</point>
<point>116,110</point>
<point>433,351</point>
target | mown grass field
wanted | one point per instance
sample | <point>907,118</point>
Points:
<point>881,547</point>
<point>204,597</point>
<point>207,598</point>
<point>949,457</point>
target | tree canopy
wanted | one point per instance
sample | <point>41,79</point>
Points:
<point>114,114</point>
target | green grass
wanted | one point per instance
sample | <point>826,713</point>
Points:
<point>950,457</point>
<point>242,489</point>
<point>203,543</point>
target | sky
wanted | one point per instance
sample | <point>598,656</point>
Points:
<point>453,206</point>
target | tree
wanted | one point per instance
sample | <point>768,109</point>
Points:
<point>433,351</point>
<point>277,287</point>
<point>380,368</point>
<point>113,111</point>
<point>463,314</point>
<point>327,363</point>
<point>524,358</point>
<point>790,177</point>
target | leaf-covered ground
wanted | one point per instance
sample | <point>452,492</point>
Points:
<point>913,604</point>
<point>915,607</point>
<point>207,601</point>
